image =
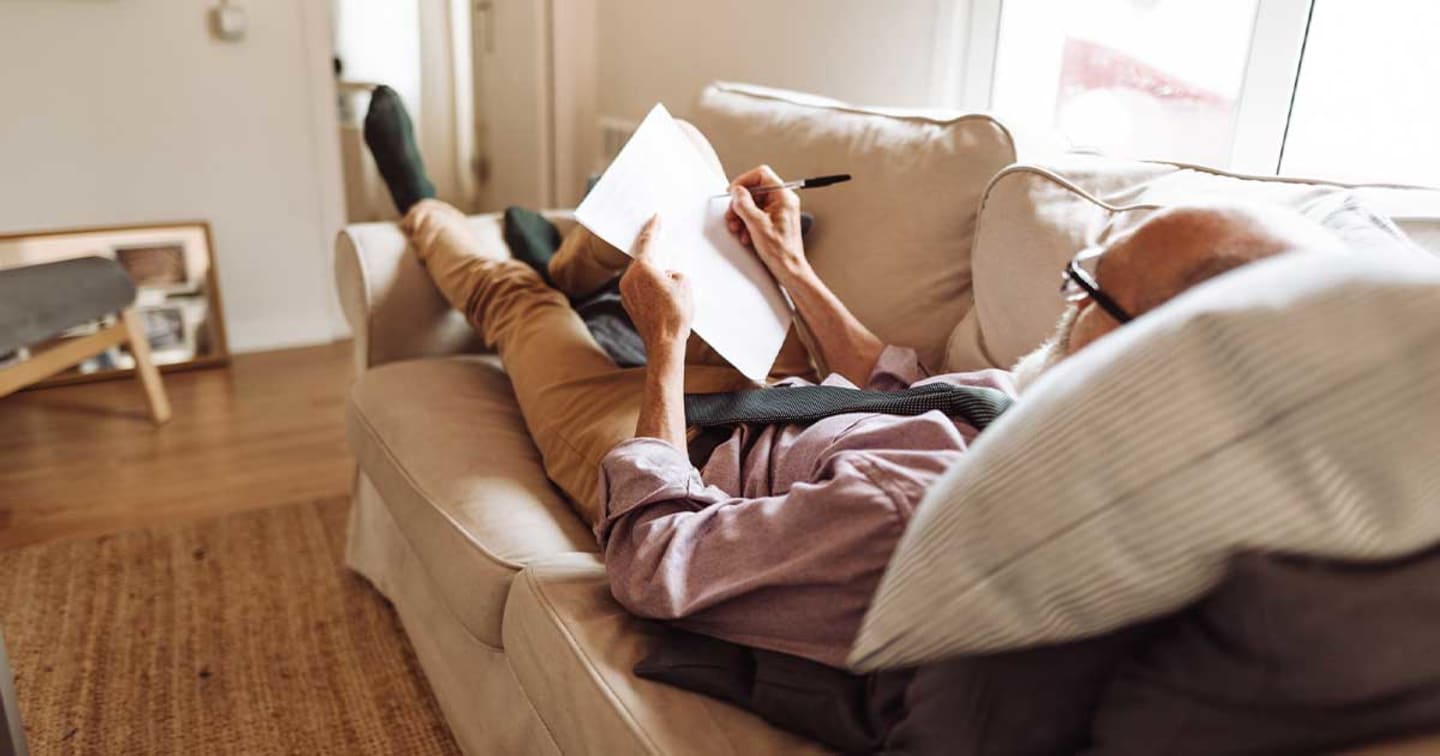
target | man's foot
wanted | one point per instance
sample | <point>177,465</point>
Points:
<point>391,138</point>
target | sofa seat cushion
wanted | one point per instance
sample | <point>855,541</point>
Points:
<point>574,650</point>
<point>445,445</point>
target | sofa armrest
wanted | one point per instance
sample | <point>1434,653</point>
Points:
<point>394,310</point>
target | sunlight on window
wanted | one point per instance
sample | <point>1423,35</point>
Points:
<point>1368,104</point>
<point>1136,78</point>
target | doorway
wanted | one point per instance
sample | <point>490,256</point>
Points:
<point>421,49</point>
<point>479,80</point>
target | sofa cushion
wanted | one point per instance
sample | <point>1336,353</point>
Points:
<point>894,243</point>
<point>1034,218</point>
<point>445,445</point>
<point>573,649</point>
<point>1285,406</point>
<point>1416,210</point>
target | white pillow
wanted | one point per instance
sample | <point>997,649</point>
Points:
<point>894,243</point>
<point>1290,405</point>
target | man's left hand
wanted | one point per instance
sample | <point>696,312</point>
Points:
<point>658,300</point>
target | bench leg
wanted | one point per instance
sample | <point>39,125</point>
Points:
<point>145,367</point>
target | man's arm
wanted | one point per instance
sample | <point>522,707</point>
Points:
<point>770,225</point>
<point>660,305</point>
<point>791,573</point>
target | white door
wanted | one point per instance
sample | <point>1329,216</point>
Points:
<point>514,135</point>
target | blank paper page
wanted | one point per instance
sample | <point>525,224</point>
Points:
<point>739,310</point>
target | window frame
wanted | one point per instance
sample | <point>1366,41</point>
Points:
<point>1262,112</point>
<point>1262,109</point>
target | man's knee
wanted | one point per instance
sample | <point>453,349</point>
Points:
<point>428,213</point>
<point>431,220</point>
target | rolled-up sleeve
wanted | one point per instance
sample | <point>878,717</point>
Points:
<point>644,471</point>
<point>793,573</point>
<point>897,368</point>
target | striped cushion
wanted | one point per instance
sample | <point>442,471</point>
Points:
<point>1292,405</point>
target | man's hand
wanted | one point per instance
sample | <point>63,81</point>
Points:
<point>768,223</point>
<point>659,301</point>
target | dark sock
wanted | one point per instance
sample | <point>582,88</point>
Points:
<point>532,239</point>
<point>391,138</point>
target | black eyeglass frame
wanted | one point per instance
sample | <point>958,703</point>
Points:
<point>1083,279</point>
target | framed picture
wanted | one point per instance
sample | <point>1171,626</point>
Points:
<point>157,266</point>
<point>177,293</point>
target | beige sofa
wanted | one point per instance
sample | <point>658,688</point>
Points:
<point>498,583</point>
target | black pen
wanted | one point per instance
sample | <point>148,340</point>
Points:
<point>809,183</point>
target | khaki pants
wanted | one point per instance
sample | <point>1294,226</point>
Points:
<point>577,404</point>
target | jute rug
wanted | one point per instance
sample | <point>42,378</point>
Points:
<point>238,635</point>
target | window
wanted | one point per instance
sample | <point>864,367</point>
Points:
<point>1336,89</point>
<point>1367,106</point>
<point>1148,79</point>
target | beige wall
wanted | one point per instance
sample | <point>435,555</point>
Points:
<point>127,111</point>
<point>872,52</point>
<point>614,59</point>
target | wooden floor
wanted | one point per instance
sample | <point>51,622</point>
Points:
<point>81,461</point>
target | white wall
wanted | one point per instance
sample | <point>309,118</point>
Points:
<point>614,59</point>
<point>379,41</point>
<point>127,111</point>
<point>868,52</point>
<point>540,108</point>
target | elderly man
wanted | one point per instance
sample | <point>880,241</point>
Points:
<point>778,538</point>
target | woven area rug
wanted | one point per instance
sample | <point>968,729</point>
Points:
<point>238,635</point>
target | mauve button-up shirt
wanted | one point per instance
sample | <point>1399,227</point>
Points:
<point>781,540</point>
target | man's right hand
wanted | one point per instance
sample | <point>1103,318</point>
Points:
<point>768,223</point>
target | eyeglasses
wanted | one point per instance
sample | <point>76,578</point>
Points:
<point>1079,281</point>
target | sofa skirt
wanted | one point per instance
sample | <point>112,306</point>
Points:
<point>482,701</point>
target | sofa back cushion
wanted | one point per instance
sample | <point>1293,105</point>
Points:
<point>1034,218</point>
<point>894,244</point>
<point>1289,406</point>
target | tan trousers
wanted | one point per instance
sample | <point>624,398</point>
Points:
<point>577,404</point>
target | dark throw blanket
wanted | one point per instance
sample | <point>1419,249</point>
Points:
<point>1289,655</point>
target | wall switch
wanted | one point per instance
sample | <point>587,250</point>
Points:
<point>227,22</point>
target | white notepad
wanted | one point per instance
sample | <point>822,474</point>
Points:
<point>739,309</point>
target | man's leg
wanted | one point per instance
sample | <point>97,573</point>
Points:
<point>584,263</point>
<point>577,404</point>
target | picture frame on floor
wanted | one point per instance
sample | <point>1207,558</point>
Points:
<point>177,292</point>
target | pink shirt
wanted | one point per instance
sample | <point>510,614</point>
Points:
<point>780,541</point>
